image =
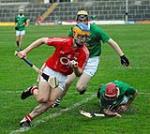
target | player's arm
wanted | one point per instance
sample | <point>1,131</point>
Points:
<point>81,62</point>
<point>76,69</point>
<point>115,46</point>
<point>106,108</point>
<point>27,22</point>
<point>131,93</point>
<point>110,113</point>
<point>16,23</point>
<point>33,45</point>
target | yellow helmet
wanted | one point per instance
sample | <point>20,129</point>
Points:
<point>81,29</point>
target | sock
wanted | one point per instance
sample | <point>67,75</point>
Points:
<point>82,92</point>
<point>34,89</point>
<point>17,42</point>
<point>27,118</point>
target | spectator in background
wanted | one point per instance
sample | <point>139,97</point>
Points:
<point>20,23</point>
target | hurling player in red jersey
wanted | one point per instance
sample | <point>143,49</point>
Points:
<point>70,55</point>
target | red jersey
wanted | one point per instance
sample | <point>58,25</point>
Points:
<point>64,53</point>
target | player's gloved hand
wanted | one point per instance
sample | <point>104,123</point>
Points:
<point>16,28</point>
<point>124,60</point>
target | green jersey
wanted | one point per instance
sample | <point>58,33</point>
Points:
<point>97,36</point>
<point>124,89</point>
<point>20,21</point>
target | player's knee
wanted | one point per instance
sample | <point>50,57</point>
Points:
<point>42,100</point>
<point>81,89</point>
<point>51,102</point>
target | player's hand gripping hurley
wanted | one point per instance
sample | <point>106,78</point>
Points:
<point>51,80</point>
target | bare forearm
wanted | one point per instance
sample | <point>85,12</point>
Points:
<point>116,47</point>
<point>35,44</point>
<point>109,113</point>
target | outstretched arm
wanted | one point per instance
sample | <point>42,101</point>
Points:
<point>27,22</point>
<point>115,46</point>
<point>33,45</point>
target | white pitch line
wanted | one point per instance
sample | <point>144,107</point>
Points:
<point>54,115</point>
<point>88,92</point>
<point>19,92</point>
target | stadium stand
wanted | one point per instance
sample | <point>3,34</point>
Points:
<point>138,10</point>
<point>32,11</point>
<point>104,10</point>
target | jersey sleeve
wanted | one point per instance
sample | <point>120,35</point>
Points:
<point>125,88</point>
<point>103,35</point>
<point>56,42</point>
<point>130,91</point>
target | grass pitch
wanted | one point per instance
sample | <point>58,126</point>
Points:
<point>15,75</point>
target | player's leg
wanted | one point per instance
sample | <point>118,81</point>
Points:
<point>54,95</point>
<point>89,72</point>
<point>42,97</point>
<point>42,93</point>
<point>17,38</point>
<point>68,82</point>
<point>34,88</point>
<point>42,107</point>
<point>29,92</point>
<point>22,34</point>
<point>82,83</point>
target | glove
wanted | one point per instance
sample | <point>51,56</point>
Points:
<point>16,28</point>
<point>124,60</point>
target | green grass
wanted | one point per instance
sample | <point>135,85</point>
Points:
<point>15,76</point>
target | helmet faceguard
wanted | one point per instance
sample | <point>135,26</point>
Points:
<point>80,33</point>
<point>82,16</point>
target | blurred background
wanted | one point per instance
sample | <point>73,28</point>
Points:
<point>64,11</point>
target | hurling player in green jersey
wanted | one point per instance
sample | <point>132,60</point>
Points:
<point>20,23</point>
<point>115,97</point>
<point>97,37</point>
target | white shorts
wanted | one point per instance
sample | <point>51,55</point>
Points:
<point>91,66</point>
<point>60,77</point>
<point>20,33</point>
